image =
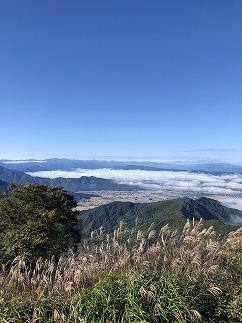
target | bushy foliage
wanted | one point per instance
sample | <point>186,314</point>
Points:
<point>36,221</point>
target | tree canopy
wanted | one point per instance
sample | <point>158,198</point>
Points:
<point>36,221</point>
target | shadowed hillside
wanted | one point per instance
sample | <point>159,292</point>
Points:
<point>174,212</point>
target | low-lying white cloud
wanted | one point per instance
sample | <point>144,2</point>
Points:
<point>23,161</point>
<point>233,202</point>
<point>159,180</point>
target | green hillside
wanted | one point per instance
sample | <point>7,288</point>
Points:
<point>174,212</point>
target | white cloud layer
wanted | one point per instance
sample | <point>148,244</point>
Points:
<point>23,161</point>
<point>233,202</point>
<point>160,180</point>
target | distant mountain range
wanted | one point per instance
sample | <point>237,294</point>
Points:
<point>70,184</point>
<point>213,168</point>
<point>68,164</point>
<point>174,212</point>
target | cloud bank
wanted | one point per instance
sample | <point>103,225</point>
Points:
<point>160,180</point>
<point>235,203</point>
<point>25,161</point>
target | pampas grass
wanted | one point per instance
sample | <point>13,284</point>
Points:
<point>175,277</point>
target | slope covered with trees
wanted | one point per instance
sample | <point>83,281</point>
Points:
<point>173,212</point>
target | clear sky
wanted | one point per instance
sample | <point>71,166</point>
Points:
<point>121,78</point>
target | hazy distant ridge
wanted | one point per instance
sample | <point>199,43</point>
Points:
<point>69,164</point>
<point>84,183</point>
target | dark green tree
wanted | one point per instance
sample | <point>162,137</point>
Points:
<point>36,221</point>
<point>2,195</point>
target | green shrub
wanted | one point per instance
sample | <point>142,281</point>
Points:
<point>36,221</point>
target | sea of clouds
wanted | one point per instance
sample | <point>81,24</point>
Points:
<point>160,180</point>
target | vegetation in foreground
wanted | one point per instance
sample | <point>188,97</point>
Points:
<point>36,221</point>
<point>131,276</point>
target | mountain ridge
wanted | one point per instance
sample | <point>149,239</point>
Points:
<point>84,183</point>
<point>70,164</point>
<point>174,212</point>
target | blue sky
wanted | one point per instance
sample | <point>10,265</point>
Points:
<point>121,78</point>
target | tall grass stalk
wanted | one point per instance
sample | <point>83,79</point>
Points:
<point>131,276</point>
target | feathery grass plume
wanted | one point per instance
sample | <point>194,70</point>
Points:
<point>152,235</point>
<point>155,277</point>
<point>136,221</point>
<point>140,235</point>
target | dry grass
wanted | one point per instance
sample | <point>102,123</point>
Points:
<point>197,254</point>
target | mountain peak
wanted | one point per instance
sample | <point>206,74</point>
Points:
<point>174,212</point>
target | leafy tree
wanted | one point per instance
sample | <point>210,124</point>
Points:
<point>36,221</point>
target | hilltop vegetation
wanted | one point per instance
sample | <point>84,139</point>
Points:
<point>36,220</point>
